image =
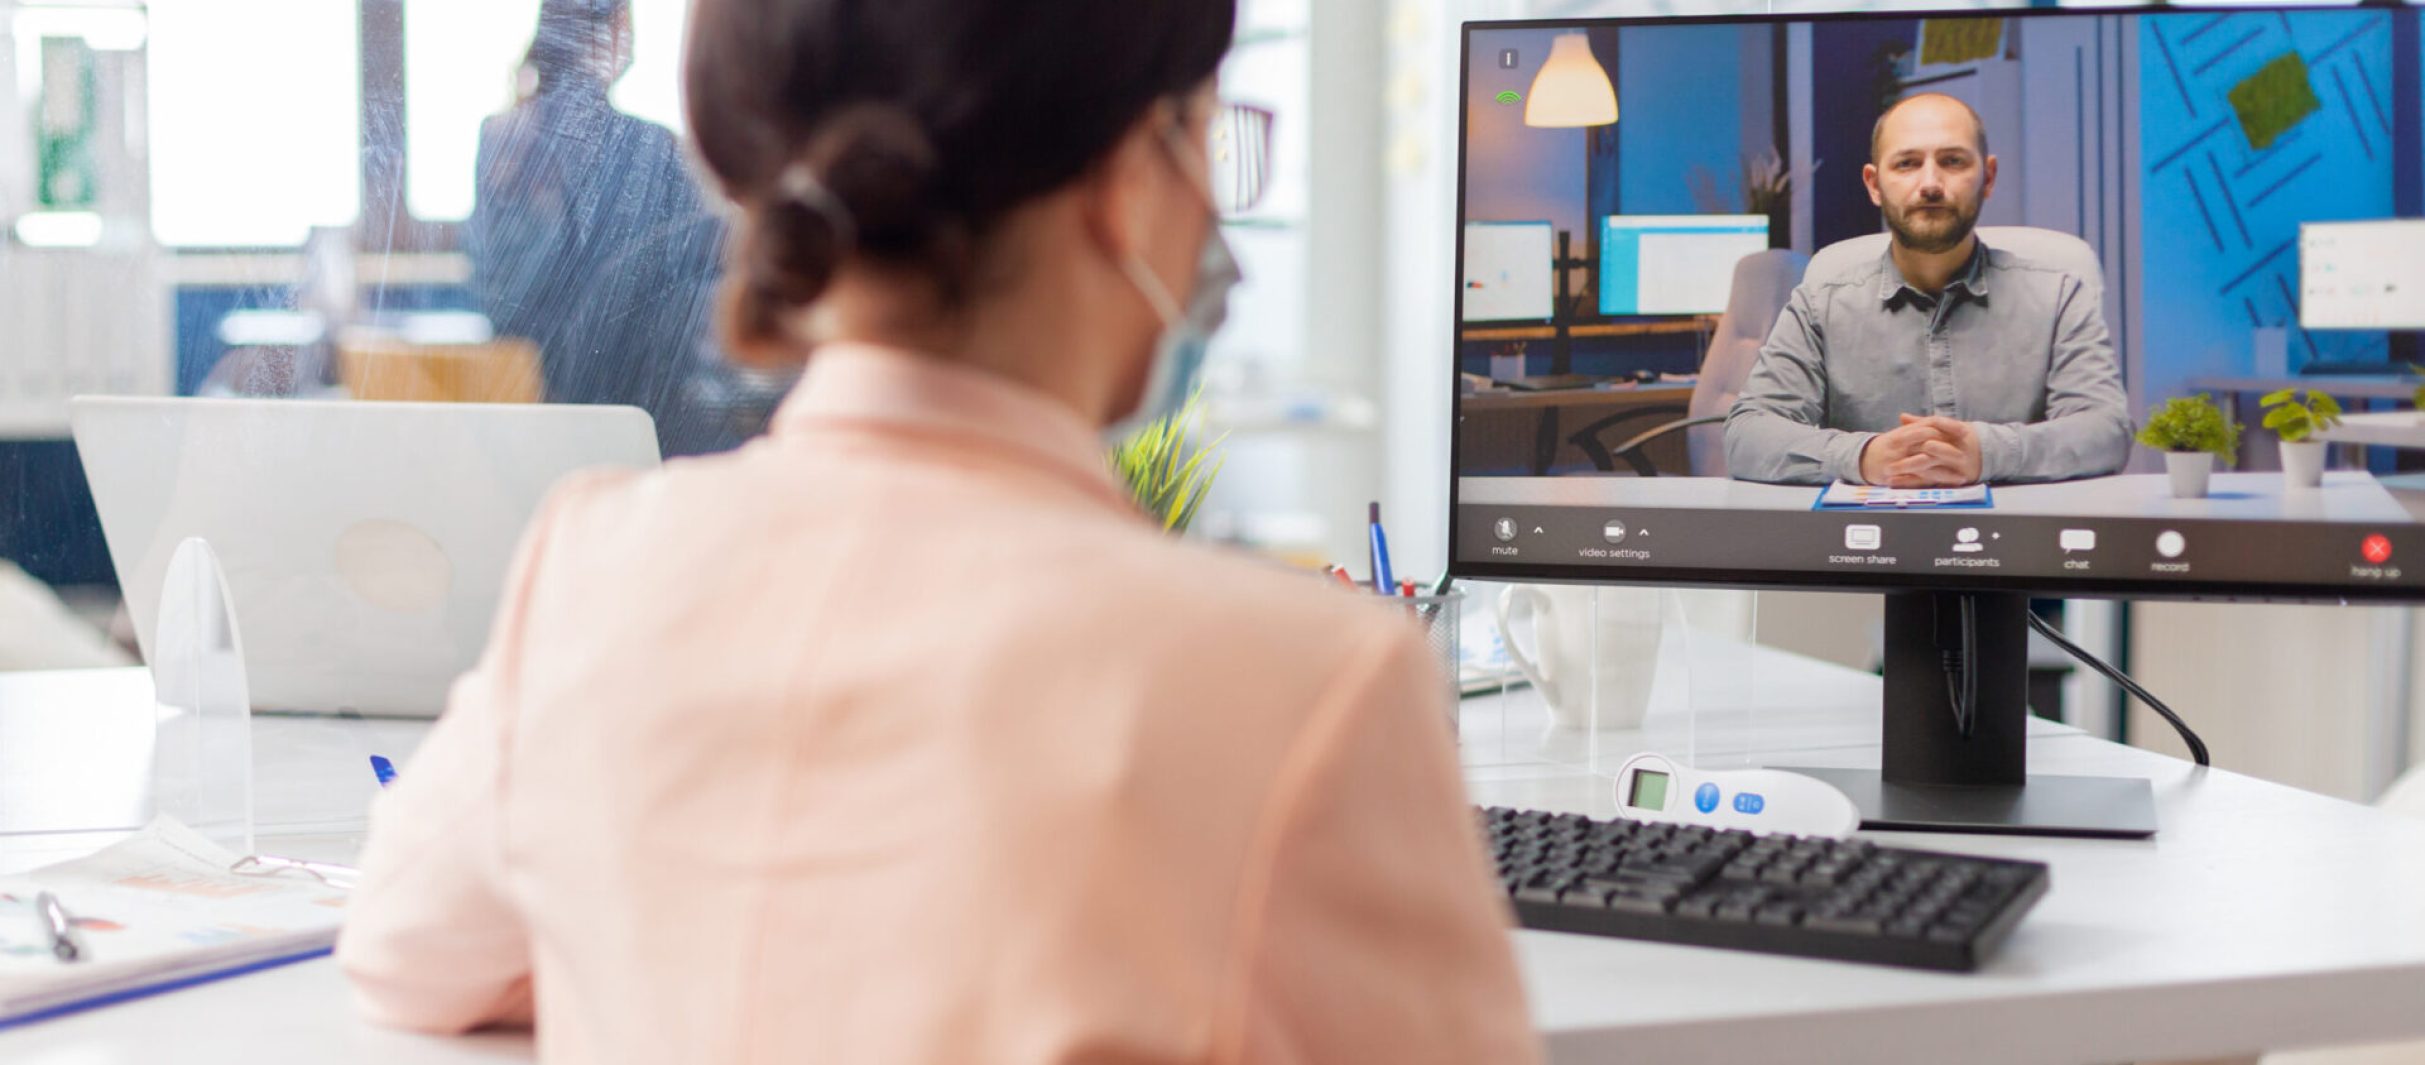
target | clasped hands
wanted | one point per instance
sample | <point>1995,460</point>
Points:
<point>1932,452</point>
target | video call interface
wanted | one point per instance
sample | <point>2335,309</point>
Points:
<point>1895,296</point>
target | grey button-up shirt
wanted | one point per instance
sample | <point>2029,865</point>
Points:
<point>2014,346</point>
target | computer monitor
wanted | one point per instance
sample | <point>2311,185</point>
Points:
<point>2362,275</point>
<point>2124,225</point>
<point>1509,267</point>
<point>1673,264</point>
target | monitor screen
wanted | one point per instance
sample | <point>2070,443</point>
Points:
<point>1891,301</point>
<point>1673,264</point>
<point>1508,269</point>
<point>2362,275</point>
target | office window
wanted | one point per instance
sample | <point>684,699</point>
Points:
<point>460,59</point>
<point>460,62</point>
<point>255,123</point>
<point>653,89</point>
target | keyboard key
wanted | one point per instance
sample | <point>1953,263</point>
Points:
<point>1631,903</point>
<point>1586,896</point>
<point>1779,914</point>
<point>1852,923</point>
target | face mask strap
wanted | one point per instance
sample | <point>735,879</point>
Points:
<point>1157,295</point>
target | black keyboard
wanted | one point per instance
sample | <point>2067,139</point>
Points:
<point>1848,900</point>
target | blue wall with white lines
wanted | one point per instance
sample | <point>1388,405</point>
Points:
<point>2222,215</point>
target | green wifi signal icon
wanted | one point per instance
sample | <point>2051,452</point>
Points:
<point>1510,97</point>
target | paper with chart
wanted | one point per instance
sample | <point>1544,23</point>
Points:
<point>1844,494</point>
<point>157,908</point>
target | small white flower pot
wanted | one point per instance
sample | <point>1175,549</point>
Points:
<point>2190,471</point>
<point>2303,464</point>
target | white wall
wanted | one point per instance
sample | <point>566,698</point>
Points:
<point>2286,693</point>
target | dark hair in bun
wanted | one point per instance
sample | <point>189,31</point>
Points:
<point>902,131</point>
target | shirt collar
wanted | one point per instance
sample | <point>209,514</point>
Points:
<point>573,87</point>
<point>888,389</point>
<point>1972,282</point>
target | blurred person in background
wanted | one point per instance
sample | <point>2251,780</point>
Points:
<point>589,236</point>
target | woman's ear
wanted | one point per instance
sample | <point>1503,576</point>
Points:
<point>1123,191</point>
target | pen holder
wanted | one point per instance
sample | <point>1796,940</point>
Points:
<point>1440,616</point>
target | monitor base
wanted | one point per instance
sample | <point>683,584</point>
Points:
<point>2097,807</point>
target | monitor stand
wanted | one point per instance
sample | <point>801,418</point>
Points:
<point>1935,779</point>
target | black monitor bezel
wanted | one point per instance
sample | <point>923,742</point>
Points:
<point>1812,579</point>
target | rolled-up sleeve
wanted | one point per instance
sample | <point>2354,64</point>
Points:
<point>2087,428</point>
<point>1777,431</point>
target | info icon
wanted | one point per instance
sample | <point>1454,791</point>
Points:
<point>2376,549</point>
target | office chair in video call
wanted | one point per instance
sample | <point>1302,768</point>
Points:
<point>1762,282</point>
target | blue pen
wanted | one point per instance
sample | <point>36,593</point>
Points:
<point>1382,582</point>
<point>384,769</point>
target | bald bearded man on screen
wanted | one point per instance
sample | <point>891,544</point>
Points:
<point>1946,362</point>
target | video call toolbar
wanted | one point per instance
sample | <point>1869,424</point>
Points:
<point>1595,543</point>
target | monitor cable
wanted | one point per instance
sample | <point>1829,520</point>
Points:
<point>1961,671</point>
<point>2197,747</point>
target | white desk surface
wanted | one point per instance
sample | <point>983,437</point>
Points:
<point>2346,386</point>
<point>2346,496</point>
<point>2392,428</point>
<point>2260,918</point>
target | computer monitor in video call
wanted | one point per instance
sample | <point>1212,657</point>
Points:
<point>1882,302</point>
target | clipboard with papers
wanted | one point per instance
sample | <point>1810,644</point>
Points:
<point>161,910</point>
<point>1844,495</point>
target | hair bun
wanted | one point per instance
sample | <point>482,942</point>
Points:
<point>862,184</point>
<point>878,164</point>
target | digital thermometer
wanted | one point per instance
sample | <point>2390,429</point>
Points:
<point>1652,787</point>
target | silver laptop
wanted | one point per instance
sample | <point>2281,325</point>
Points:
<point>365,544</point>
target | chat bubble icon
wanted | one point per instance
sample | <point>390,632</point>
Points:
<point>2079,540</point>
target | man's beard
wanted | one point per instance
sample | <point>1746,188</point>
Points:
<point>1935,232</point>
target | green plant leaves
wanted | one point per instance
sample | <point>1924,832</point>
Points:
<point>1167,474</point>
<point>2297,419</point>
<point>2192,423</point>
<point>2291,422</point>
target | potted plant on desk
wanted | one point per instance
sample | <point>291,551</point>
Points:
<point>1166,469</point>
<point>2297,421</point>
<point>2192,433</point>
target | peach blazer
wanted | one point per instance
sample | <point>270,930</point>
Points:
<point>898,737</point>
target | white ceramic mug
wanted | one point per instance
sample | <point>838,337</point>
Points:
<point>1574,627</point>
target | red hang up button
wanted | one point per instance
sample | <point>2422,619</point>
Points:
<point>2376,548</point>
